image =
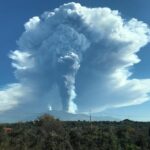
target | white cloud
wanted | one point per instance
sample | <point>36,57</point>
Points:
<point>22,60</point>
<point>9,96</point>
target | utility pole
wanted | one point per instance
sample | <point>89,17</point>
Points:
<point>90,120</point>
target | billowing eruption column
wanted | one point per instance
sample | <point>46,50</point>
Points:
<point>67,66</point>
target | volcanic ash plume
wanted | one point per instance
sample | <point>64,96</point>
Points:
<point>77,59</point>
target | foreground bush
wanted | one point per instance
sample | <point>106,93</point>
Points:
<point>48,133</point>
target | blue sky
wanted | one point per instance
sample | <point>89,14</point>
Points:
<point>14,14</point>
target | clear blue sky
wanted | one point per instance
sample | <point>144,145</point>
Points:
<point>13,14</point>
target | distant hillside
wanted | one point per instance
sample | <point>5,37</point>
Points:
<point>75,117</point>
<point>64,116</point>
